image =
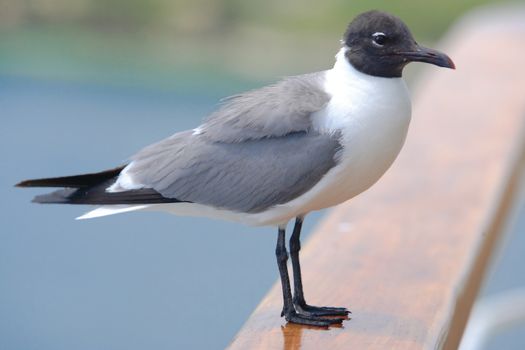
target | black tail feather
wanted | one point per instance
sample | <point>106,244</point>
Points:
<point>75,181</point>
<point>97,195</point>
<point>91,189</point>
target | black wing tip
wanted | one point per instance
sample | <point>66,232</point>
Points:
<point>38,183</point>
<point>75,181</point>
<point>27,183</point>
<point>98,196</point>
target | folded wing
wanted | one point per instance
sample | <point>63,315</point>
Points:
<point>250,176</point>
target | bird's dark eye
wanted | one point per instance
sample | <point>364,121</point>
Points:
<point>379,39</point>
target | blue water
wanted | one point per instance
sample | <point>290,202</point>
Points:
<point>134,281</point>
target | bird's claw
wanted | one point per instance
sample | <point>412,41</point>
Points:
<point>311,320</point>
<point>309,310</point>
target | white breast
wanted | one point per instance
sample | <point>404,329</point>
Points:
<point>373,114</point>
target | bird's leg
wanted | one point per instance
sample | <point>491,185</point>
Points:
<point>288,309</point>
<point>298,299</point>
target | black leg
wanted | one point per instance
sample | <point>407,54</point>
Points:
<point>288,309</point>
<point>298,299</point>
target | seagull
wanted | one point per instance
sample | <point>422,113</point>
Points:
<point>277,153</point>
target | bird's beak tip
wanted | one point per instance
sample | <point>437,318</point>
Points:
<point>452,65</point>
<point>444,61</point>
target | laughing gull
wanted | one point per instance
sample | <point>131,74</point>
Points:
<point>275,154</point>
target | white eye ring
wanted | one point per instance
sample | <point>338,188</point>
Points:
<point>378,35</point>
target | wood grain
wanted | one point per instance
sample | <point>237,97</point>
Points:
<point>408,256</point>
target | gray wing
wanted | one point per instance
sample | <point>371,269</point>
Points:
<point>271,111</point>
<point>246,177</point>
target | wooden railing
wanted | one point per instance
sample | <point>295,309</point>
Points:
<point>408,256</point>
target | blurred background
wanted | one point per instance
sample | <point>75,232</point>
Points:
<point>200,43</point>
<point>86,83</point>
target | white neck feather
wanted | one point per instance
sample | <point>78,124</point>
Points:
<point>356,96</point>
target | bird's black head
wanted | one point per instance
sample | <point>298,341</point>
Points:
<point>380,44</point>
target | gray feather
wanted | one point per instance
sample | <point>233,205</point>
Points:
<point>274,110</point>
<point>247,177</point>
<point>257,151</point>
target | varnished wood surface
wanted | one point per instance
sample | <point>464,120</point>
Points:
<point>407,257</point>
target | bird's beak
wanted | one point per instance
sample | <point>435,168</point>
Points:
<point>423,54</point>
